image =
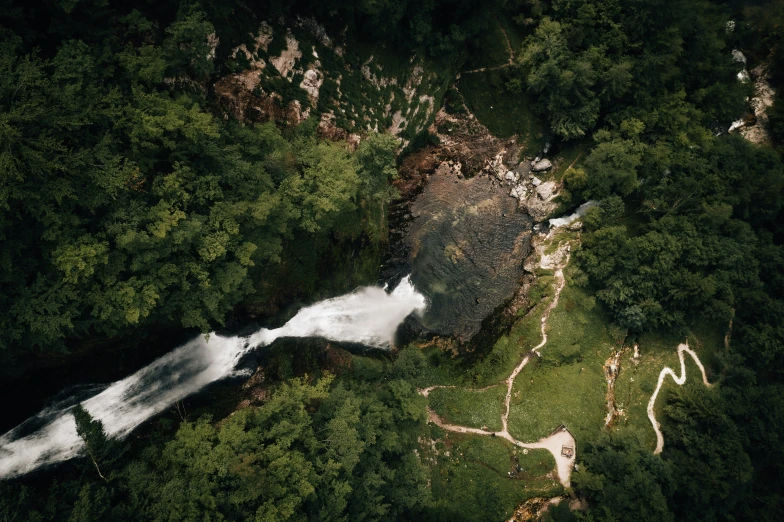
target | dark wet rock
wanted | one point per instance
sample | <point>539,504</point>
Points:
<point>336,360</point>
<point>466,250</point>
<point>256,379</point>
<point>523,170</point>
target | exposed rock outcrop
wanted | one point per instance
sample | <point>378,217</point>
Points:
<point>288,57</point>
<point>546,190</point>
<point>311,83</point>
<point>542,165</point>
<point>405,101</point>
<point>763,98</point>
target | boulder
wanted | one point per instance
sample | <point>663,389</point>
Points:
<point>542,165</point>
<point>539,211</point>
<point>311,83</point>
<point>510,176</point>
<point>546,190</point>
<point>353,141</point>
<point>535,181</point>
<point>518,192</point>
<point>523,170</point>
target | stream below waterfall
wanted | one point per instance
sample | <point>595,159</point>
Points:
<point>368,316</point>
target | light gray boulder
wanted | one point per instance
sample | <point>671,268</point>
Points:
<point>542,165</point>
<point>546,190</point>
<point>518,192</point>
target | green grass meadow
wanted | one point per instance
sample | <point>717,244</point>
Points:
<point>567,385</point>
<point>467,407</point>
<point>470,477</point>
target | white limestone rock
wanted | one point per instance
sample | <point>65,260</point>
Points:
<point>546,191</point>
<point>542,165</point>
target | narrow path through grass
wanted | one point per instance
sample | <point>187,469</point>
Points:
<point>560,438</point>
<point>679,380</point>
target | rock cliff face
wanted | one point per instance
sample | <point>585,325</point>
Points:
<point>458,231</point>
<point>466,245</point>
<point>757,130</point>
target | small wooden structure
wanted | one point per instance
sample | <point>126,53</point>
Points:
<point>566,451</point>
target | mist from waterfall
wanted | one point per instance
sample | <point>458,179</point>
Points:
<point>369,315</point>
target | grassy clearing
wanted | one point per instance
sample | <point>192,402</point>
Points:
<point>634,386</point>
<point>524,335</point>
<point>567,385</point>
<point>489,49</point>
<point>470,477</point>
<point>502,112</point>
<point>636,383</point>
<point>467,407</point>
<point>571,395</point>
<point>515,32</point>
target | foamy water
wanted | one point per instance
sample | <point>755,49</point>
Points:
<point>568,220</point>
<point>369,316</point>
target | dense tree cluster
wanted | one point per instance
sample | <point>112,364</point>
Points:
<point>312,451</point>
<point>124,200</point>
<point>689,228</point>
<point>588,61</point>
<point>443,28</point>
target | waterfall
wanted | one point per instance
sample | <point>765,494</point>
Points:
<point>369,316</point>
<point>568,220</point>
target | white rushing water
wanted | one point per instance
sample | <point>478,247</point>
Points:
<point>743,76</point>
<point>568,220</point>
<point>369,316</point>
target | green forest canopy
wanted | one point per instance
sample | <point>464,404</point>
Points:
<point>125,202</point>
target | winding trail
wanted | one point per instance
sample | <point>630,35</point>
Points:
<point>679,380</point>
<point>553,442</point>
<point>426,391</point>
<point>556,442</point>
